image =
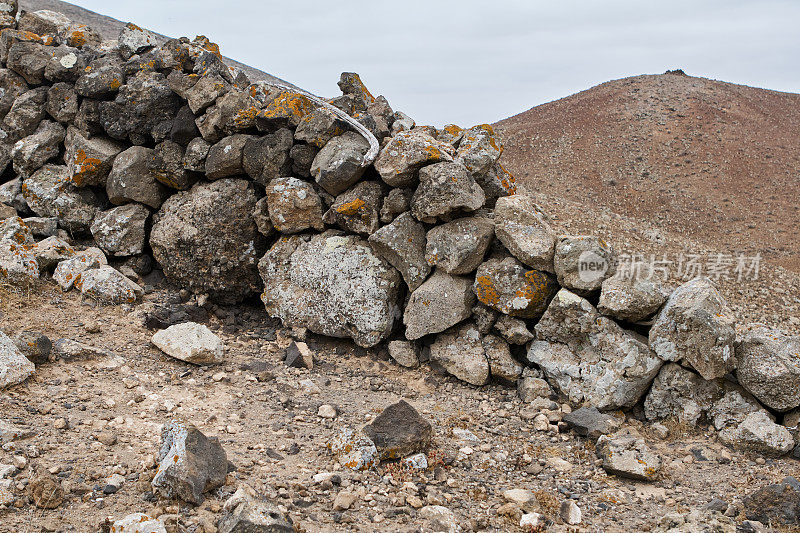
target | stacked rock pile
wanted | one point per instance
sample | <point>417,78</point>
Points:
<point>351,221</point>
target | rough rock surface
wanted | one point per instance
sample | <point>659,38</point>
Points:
<point>460,352</point>
<point>255,516</point>
<point>138,523</point>
<point>399,431</point>
<point>583,262</point>
<point>50,193</point>
<point>293,205</point>
<point>337,165</point>
<point>626,454</point>
<point>458,247</point>
<point>521,227</point>
<point>439,303</point>
<point>121,231</point>
<point>760,434</point>
<point>406,153</point>
<point>445,188</point>
<point>108,285</point>
<point>768,366</point>
<point>14,366</point>
<point>131,179</point>
<point>190,342</point>
<point>333,285</point>
<point>357,210</point>
<point>402,245</point>
<point>591,423</point>
<point>633,293</point>
<point>778,503</point>
<point>509,287</point>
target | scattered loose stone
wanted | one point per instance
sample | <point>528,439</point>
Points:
<point>354,450</point>
<point>14,366</point>
<point>46,492</point>
<point>190,342</point>
<point>256,516</point>
<point>405,353</point>
<point>138,523</point>
<point>626,454</point>
<point>591,423</point>
<point>399,431</point>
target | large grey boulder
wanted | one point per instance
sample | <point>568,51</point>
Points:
<point>131,179</point>
<point>332,284</point>
<point>206,239</point>
<point>121,231</point>
<point>768,366</point>
<point>25,114</point>
<point>697,327</point>
<point>458,247</point>
<point>583,262</point>
<point>590,358</point>
<point>461,353</point>
<point>293,205</point>
<point>337,165</point>
<point>255,516</point>
<point>135,40</point>
<point>633,293</point>
<point>225,157</point>
<point>190,463</point>
<point>49,192</point>
<point>402,245</point>
<point>445,188</point>
<point>30,153</point>
<point>101,78</point>
<point>62,102</point>
<point>510,287</point>
<point>14,366</point>
<point>522,228</point>
<point>760,434</point>
<point>407,152</point>
<point>439,303</point>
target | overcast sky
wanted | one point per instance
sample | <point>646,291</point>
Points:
<point>470,62</point>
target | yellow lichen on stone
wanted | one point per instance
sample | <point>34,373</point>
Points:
<point>351,208</point>
<point>288,105</point>
<point>83,166</point>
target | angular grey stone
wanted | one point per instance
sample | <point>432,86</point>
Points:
<point>42,226</point>
<point>121,231</point>
<point>513,330</point>
<point>266,158</point>
<point>445,188</point>
<point>189,463</point>
<point>357,209</point>
<point>497,183</point>
<point>190,342</point>
<point>775,504</point>
<point>225,158</point>
<point>135,40</point>
<point>530,388</point>
<point>49,193</point>
<point>502,364</point>
<point>760,434</point>
<point>67,272</point>
<point>206,239</point>
<point>319,127</point>
<point>261,218</point>
<point>102,78</point>
<point>205,92</point>
<point>29,60</point>
<point>458,247</point>
<point>89,160</point>
<point>62,102</point>
<point>633,293</point>
<point>337,165</point>
<point>14,366</point>
<point>696,326</point>
<point>398,201</point>
<point>439,303</point>
<point>13,86</point>
<point>407,152</point>
<point>589,422</point>
<point>34,345</point>
<point>50,252</point>
<point>252,516</point>
<point>302,158</point>
<point>479,149</point>
<point>521,227</point>
<point>399,431</point>
<point>768,366</point>
<point>405,353</point>
<point>484,318</point>
<point>30,153</point>
<point>14,230</point>
<point>511,288</point>
<point>131,179</point>
<point>293,205</point>
<point>166,165</point>
<point>65,64</point>
<point>461,353</point>
<point>25,114</point>
<point>402,245</point>
<point>184,129</point>
<point>108,285</point>
<point>626,454</point>
<point>310,283</point>
<point>194,158</point>
<point>583,262</point>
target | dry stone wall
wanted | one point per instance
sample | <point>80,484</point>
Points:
<point>350,220</point>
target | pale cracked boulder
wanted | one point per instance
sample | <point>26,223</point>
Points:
<point>460,352</point>
<point>439,303</point>
<point>50,193</point>
<point>135,40</point>
<point>353,449</point>
<point>696,326</point>
<point>138,523</point>
<point>108,285</point>
<point>589,358</point>
<point>18,266</point>
<point>51,251</point>
<point>121,231</point>
<point>357,210</point>
<point>758,433</point>
<point>255,516</point>
<point>132,180</point>
<point>513,289</point>
<point>634,293</point>
<point>16,231</point>
<point>522,228</point>
<point>205,239</point>
<point>406,153</point>
<point>30,153</point>
<point>626,454</point>
<point>189,463</point>
<point>69,270</point>
<point>402,245</point>
<point>14,366</point>
<point>458,247</point>
<point>768,366</point>
<point>502,364</point>
<point>190,342</point>
<point>293,205</point>
<point>445,189</point>
<point>583,262</point>
<point>333,285</point>
<point>479,149</point>
<point>338,165</point>
<point>89,160</point>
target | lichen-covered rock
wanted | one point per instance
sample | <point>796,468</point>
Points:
<point>502,364</point>
<point>458,247</point>
<point>511,288</point>
<point>461,353</point>
<point>590,358</point>
<point>287,109</point>
<point>62,102</point>
<point>14,366</point>
<point>69,270</point>
<point>190,463</point>
<point>194,157</point>
<point>293,205</point>
<point>225,157</point>
<point>402,245</point>
<point>696,326</point>
<point>760,434</point>
<point>478,149</point>
<point>354,449</point>
<point>406,153</point>
<point>15,231</point>
<point>89,159</point>
<point>166,165</point>
<point>131,179</point>
<point>138,523</point>
<point>64,64</point>
<point>206,239</point>
<point>445,189</point>
<point>50,252</point>
<point>399,431</point>
<point>583,262</point>
<point>255,516</point>
<point>108,285</point>
<point>626,454</point>
<point>102,78</point>
<point>496,183</point>
<point>319,127</point>
<point>26,112</point>
<point>30,153</point>
<point>513,330</point>
<point>135,40</point>
<point>49,192</point>
<point>29,60</point>
<point>358,209</point>
<point>190,342</point>
<point>632,294</point>
<point>521,227</point>
<point>333,285</point>
<point>337,165</point>
<point>397,202</point>
<point>768,366</point>
<point>266,158</point>
<point>121,231</point>
<point>439,303</point>
<point>43,22</point>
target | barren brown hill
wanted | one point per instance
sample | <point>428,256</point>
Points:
<point>714,161</point>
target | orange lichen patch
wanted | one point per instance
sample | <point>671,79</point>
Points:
<point>84,166</point>
<point>29,36</point>
<point>351,208</point>
<point>77,38</point>
<point>244,118</point>
<point>289,105</point>
<point>453,130</point>
<point>206,44</point>
<point>486,291</point>
<point>49,40</point>
<point>507,180</point>
<point>536,290</point>
<point>115,84</point>
<point>134,27</point>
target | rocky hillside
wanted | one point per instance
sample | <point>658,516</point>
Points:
<point>715,161</point>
